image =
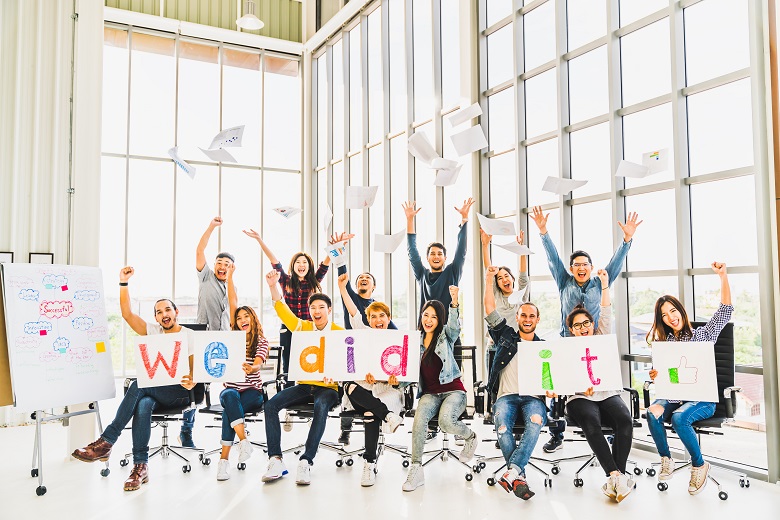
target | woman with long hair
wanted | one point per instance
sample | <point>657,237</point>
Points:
<point>671,323</point>
<point>246,396</point>
<point>440,388</point>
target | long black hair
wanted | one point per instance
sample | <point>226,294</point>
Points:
<point>441,314</point>
<point>293,284</point>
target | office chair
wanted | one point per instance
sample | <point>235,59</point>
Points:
<point>161,417</point>
<point>724,409</point>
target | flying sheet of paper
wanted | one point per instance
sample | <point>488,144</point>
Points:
<point>469,141</point>
<point>181,163</point>
<point>447,177</point>
<point>361,197</point>
<point>420,148</point>
<point>287,211</point>
<point>633,170</point>
<point>325,218</point>
<point>228,137</point>
<point>218,155</point>
<point>561,186</point>
<point>494,226</point>
<point>388,243</point>
<point>443,164</point>
<point>657,160</point>
<point>337,253</point>
<point>466,114</point>
<point>514,247</point>
<point>516,297</point>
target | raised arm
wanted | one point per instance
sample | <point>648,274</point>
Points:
<point>411,240</point>
<point>615,264</point>
<point>725,289</point>
<point>605,316</point>
<point>523,267</point>
<point>345,296</point>
<point>232,296</point>
<point>254,234</point>
<point>200,251</point>
<point>460,250</point>
<point>554,262</point>
<point>411,211</point>
<point>490,298</point>
<point>335,239</point>
<point>452,328</point>
<point>284,312</point>
<point>485,239</point>
<point>135,321</point>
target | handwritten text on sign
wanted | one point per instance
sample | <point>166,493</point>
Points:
<point>161,359</point>
<point>218,355</point>
<point>569,365</point>
<point>686,370</point>
<point>348,355</point>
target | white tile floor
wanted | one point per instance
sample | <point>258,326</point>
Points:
<point>76,489</point>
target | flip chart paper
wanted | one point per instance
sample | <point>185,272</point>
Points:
<point>493,226</point>
<point>466,114</point>
<point>469,141</point>
<point>561,186</point>
<point>181,163</point>
<point>388,243</point>
<point>361,197</point>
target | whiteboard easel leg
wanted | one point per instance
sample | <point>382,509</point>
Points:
<point>41,490</point>
<point>106,471</point>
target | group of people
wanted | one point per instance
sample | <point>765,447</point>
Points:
<point>302,306</point>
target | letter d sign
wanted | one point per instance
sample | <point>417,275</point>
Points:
<point>319,363</point>
<point>403,353</point>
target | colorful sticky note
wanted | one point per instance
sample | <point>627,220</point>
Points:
<point>42,332</point>
<point>100,347</point>
<point>64,287</point>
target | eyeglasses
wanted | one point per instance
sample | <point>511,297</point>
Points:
<point>578,326</point>
<point>586,264</point>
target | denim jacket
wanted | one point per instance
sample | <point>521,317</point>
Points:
<point>505,338</point>
<point>570,291</point>
<point>445,350</point>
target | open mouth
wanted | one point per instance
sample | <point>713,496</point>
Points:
<point>245,326</point>
<point>585,332</point>
<point>380,326</point>
<point>166,321</point>
<point>221,272</point>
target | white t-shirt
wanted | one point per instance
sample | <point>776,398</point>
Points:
<point>507,381</point>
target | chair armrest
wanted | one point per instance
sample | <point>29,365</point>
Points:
<point>646,393</point>
<point>480,397</point>
<point>409,396</point>
<point>634,395</point>
<point>558,410</point>
<point>207,388</point>
<point>730,394</point>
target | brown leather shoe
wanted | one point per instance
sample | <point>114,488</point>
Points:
<point>139,475</point>
<point>98,450</point>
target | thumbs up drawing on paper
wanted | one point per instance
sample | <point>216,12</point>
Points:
<point>683,374</point>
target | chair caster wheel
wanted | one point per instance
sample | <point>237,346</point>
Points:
<point>40,491</point>
<point>206,461</point>
<point>405,463</point>
<point>482,465</point>
<point>555,470</point>
<point>104,472</point>
<point>200,457</point>
<point>475,468</point>
<point>722,495</point>
<point>650,472</point>
<point>550,481</point>
<point>637,471</point>
<point>491,481</point>
<point>241,466</point>
<point>469,477</point>
<point>339,463</point>
<point>349,462</point>
<point>123,462</point>
<point>186,469</point>
<point>747,483</point>
<point>578,482</point>
<point>34,472</point>
<point>297,452</point>
<point>662,486</point>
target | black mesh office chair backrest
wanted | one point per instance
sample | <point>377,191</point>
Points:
<point>724,365</point>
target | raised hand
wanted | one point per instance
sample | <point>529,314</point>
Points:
<point>719,268</point>
<point>125,273</point>
<point>464,210</point>
<point>343,280</point>
<point>490,274</point>
<point>231,269</point>
<point>604,276</point>
<point>454,293</point>
<point>485,238</point>
<point>521,237</point>
<point>215,222</point>
<point>540,219</point>
<point>252,234</point>
<point>629,228</point>
<point>335,238</point>
<point>272,278</point>
<point>410,209</point>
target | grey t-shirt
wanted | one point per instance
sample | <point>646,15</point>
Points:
<point>507,380</point>
<point>212,300</point>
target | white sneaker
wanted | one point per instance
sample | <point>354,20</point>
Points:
<point>304,473</point>
<point>667,469</point>
<point>609,487</point>
<point>698,478</point>
<point>459,441</point>
<point>624,485</point>
<point>393,421</point>
<point>415,478</point>
<point>287,422</point>
<point>276,470</point>
<point>369,474</point>
<point>222,469</point>
<point>244,450</point>
<point>469,447</point>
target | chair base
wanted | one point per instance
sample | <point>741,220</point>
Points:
<point>165,450</point>
<point>491,481</point>
<point>662,485</point>
<point>445,453</point>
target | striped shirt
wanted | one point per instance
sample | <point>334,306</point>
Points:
<point>253,380</point>
<point>299,302</point>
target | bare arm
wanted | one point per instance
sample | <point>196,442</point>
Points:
<point>254,234</point>
<point>490,299</point>
<point>272,278</point>
<point>135,321</point>
<point>523,258</point>
<point>200,252</point>
<point>604,277</point>
<point>345,296</point>
<point>410,210</point>
<point>485,239</point>
<point>231,294</point>
<point>725,289</point>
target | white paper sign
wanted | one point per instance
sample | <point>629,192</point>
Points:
<point>657,161</point>
<point>514,247</point>
<point>493,226</point>
<point>181,163</point>
<point>228,137</point>
<point>218,355</point>
<point>287,211</point>
<point>633,170</point>
<point>388,243</point>
<point>447,177</point>
<point>361,197</point>
<point>348,355</point>
<point>561,186</point>
<point>161,359</point>
<point>421,149</point>
<point>466,114</point>
<point>686,370</point>
<point>566,366</point>
<point>218,155</point>
<point>469,141</point>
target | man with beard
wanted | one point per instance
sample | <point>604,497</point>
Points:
<point>503,386</point>
<point>365,283</point>
<point>139,403</point>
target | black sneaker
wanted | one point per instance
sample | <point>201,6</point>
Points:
<point>344,438</point>
<point>185,438</point>
<point>430,435</point>
<point>554,444</point>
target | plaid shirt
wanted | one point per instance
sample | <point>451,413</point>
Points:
<point>711,330</point>
<point>299,302</point>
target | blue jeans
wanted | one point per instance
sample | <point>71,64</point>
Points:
<point>138,405</point>
<point>188,421</point>
<point>234,405</point>
<point>505,411</point>
<point>556,428</point>
<point>682,416</point>
<point>450,406</point>
<point>324,400</point>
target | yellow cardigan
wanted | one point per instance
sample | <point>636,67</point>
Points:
<point>293,324</point>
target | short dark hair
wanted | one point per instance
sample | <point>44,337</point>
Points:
<point>579,253</point>
<point>165,300</point>
<point>436,244</point>
<point>224,254</point>
<point>369,274</point>
<point>579,309</point>
<point>320,296</point>
<point>532,305</point>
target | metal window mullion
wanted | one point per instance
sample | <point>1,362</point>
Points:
<point>484,204</point>
<point>261,290</point>
<point>438,129</point>
<point>412,173</point>
<point>127,176</point>
<point>521,152</point>
<point>176,140</point>
<point>330,175</point>
<point>564,149</point>
<point>387,178</point>
<point>345,108</point>
<point>364,133</point>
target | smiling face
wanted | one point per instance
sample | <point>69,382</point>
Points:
<point>429,320</point>
<point>378,319</point>
<point>221,267</point>
<point>581,325</point>
<point>436,258</point>
<point>581,268</point>
<point>301,266</point>
<point>243,320</point>
<point>365,285</point>
<point>505,282</point>
<point>320,313</point>
<point>527,318</point>
<point>672,317</point>
<point>165,314</point>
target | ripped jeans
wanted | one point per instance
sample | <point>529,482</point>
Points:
<point>505,411</point>
<point>682,416</point>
